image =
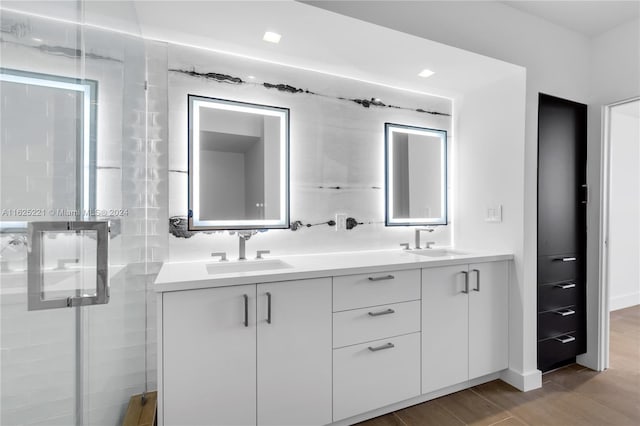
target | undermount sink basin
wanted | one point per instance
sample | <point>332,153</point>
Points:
<point>245,266</point>
<point>438,252</point>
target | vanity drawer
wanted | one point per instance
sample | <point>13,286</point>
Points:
<point>554,296</point>
<point>558,321</point>
<point>553,269</point>
<point>382,288</point>
<point>558,350</point>
<point>367,324</point>
<point>375,374</point>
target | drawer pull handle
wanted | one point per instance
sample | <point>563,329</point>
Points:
<point>385,312</point>
<point>565,286</point>
<point>466,282</point>
<point>565,339</point>
<point>246,310</point>
<point>268,308</point>
<point>564,259</point>
<point>566,312</point>
<point>382,278</point>
<point>381,348</point>
<point>477,271</point>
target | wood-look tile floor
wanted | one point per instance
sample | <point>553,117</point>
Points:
<point>573,395</point>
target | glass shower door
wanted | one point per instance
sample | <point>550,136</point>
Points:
<point>73,248</point>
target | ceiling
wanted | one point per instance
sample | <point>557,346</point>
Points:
<point>590,18</point>
<point>312,39</point>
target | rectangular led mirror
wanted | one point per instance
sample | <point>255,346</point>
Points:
<point>416,175</point>
<point>238,165</point>
<point>48,157</point>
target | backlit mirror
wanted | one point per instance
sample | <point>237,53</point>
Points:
<point>238,165</point>
<point>416,175</point>
<point>48,159</point>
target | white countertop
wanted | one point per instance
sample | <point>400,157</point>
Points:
<point>176,276</point>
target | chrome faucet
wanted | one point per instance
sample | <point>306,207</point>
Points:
<point>418,230</point>
<point>242,238</point>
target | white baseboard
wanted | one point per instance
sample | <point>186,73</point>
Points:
<point>522,381</point>
<point>624,301</point>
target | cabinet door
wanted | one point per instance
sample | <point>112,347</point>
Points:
<point>294,353</point>
<point>488,318</point>
<point>209,357</point>
<point>444,327</point>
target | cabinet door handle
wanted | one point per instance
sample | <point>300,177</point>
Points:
<point>586,194</point>
<point>565,312</point>
<point>466,282</point>
<point>246,310</point>
<point>382,278</point>
<point>385,312</point>
<point>565,286</point>
<point>565,339</point>
<point>477,271</point>
<point>564,259</point>
<point>268,308</point>
<point>383,347</point>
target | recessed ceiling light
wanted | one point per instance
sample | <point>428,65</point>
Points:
<point>251,77</point>
<point>426,73</point>
<point>271,37</point>
<point>39,40</point>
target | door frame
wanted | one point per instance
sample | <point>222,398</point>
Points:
<point>605,182</point>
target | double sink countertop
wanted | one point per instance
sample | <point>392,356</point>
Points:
<point>176,276</point>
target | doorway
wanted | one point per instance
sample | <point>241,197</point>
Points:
<point>620,210</point>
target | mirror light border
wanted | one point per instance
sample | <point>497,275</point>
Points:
<point>389,130</point>
<point>86,202</point>
<point>195,102</point>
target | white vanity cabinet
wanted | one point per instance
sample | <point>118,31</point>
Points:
<point>464,323</point>
<point>302,346</point>
<point>224,349</point>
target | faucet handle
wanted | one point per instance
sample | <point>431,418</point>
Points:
<point>259,253</point>
<point>222,254</point>
<point>405,245</point>
<point>62,263</point>
<point>429,244</point>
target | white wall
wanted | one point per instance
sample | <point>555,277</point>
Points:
<point>624,205</point>
<point>489,171</point>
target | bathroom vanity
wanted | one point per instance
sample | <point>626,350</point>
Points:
<point>329,338</point>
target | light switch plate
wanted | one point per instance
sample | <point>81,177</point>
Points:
<point>494,214</point>
<point>341,221</point>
